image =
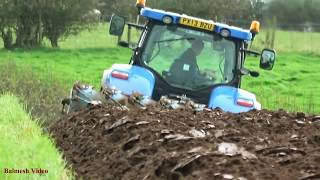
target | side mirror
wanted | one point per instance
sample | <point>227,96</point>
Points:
<point>117,24</point>
<point>267,59</point>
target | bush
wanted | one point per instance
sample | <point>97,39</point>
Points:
<point>42,95</point>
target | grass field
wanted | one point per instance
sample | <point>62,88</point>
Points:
<point>292,84</point>
<point>23,145</point>
<point>81,57</point>
<point>292,41</point>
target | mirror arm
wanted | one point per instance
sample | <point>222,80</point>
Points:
<point>127,45</point>
<point>245,71</point>
<point>254,74</point>
<point>123,44</point>
<point>255,53</point>
<point>138,26</point>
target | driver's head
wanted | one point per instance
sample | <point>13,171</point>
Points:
<point>197,46</point>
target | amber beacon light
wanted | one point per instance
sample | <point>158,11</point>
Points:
<point>141,3</point>
<point>255,27</point>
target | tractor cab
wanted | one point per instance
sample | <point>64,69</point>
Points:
<point>189,59</point>
<point>183,55</point>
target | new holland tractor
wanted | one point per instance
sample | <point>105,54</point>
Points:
<point>179,60</point>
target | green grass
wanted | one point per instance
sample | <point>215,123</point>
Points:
<point>292,41</point>
<point>24,145</point>
<point>291,85</point>
<point>82,57</point>
<point>40,92</point>
<point>86,64</point>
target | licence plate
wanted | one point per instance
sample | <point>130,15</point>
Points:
<point>197,23</point>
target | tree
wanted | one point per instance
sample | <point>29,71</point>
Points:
<point>65,17</point>
<point>125,8</point>
<point>258,8</point>
<point>28,23</point>
<point>32,20</point>
<point>296,14</point>
<point>7,22</point>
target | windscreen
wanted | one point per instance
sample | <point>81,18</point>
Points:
<point>188,58</point>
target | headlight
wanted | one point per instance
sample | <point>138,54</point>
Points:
<point>225,33</point>
<point>167,19</point>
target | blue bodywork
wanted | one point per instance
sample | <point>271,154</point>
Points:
<point>140,79</point>
<point>225,97</point>
<point>236,32</point>
<point>143,81</point>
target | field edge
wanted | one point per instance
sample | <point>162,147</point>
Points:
<point>24,147</point>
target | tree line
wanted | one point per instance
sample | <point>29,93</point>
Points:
<point>289,14</point>
<point>25,23</point>
<point>295,14</point>
<point>229,11</point>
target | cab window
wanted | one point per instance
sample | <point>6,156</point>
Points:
<point>188,58</point>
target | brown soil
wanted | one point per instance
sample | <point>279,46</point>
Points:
<point>157,143</point>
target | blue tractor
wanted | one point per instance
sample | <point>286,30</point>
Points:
<point>179,59</point>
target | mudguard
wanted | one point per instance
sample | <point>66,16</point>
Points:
<point>227,98</point>
<point>122,80</point>
<point>138,80</point>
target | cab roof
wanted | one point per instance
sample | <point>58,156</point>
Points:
<point>158,15</point>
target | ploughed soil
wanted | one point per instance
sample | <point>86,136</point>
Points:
<point>105,142</point>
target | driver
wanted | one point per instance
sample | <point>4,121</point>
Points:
<point>185,68</point>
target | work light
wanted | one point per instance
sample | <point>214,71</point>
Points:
<point>225,33</point>
<point>255,27</point>
<point>141,3</point>
<point>167,20</point>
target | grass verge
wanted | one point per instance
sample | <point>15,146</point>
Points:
<point>42,93</point>
<point>24,146</point>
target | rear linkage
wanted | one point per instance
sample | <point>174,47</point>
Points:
<point>84,96</point>
<point>81,96</point>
